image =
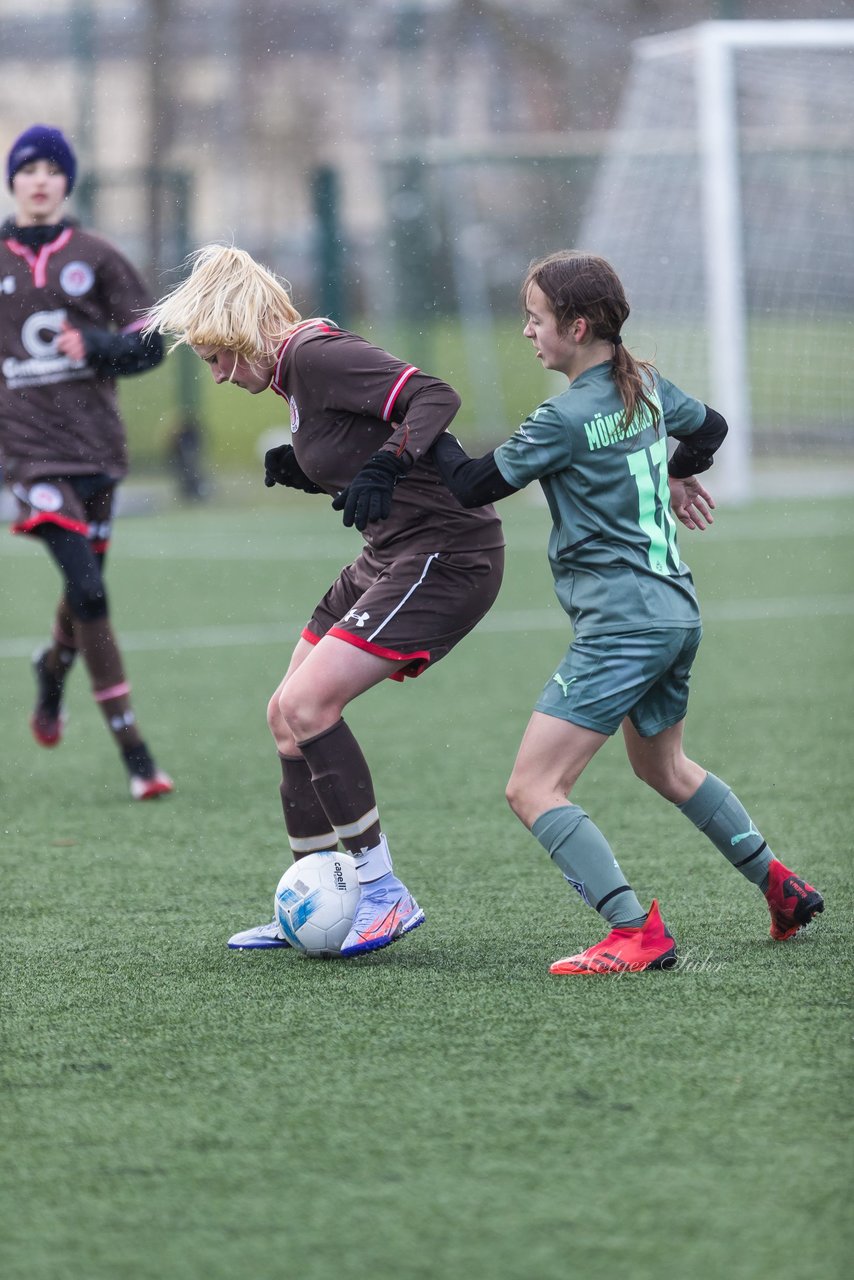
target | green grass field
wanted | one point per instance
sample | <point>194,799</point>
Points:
<point>443,1108</point>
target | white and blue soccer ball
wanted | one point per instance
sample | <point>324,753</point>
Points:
<point>315,902</point>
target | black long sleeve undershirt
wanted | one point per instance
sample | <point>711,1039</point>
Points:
<point>695,453</point>
<point>476,481</point>
<point>121,353</point>
<point>472,481</point>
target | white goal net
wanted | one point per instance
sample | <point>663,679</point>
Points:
<point>726,203</point>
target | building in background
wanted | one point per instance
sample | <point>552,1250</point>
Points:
<point>400,161</point>
<point>234,107</point>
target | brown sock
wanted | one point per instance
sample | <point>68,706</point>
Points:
<point>309,829</point>
<point>110,688</point>
<point>342,782</point>
<point>59,658</point>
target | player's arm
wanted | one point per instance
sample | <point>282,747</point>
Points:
<point>694,453</point>
<point>357,378</point>
<point>473,481</point>
<point>118,345</point>
<point>690,502</point>
<point>422,411</point>
<point>121,354</point>
<point>418,408</point>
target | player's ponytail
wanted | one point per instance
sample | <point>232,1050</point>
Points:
<point>582,284</point>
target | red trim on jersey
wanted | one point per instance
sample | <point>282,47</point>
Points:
<point>50,517</point>
<point>322,326</point>
<point>396,390</point>
<point>37,262</point>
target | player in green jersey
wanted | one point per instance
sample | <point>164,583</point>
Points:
<point>600,453</point>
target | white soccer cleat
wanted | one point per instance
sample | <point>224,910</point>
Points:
<point>386,911</point>
<point>262,938</point>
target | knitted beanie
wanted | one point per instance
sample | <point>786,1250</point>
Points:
<point>42,142</point>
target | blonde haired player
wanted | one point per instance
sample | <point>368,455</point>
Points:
<point>362,423</point>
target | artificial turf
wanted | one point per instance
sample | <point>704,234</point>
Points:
<point>443,1108</point>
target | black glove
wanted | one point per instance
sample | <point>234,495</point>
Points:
<point>368,496</point>
<point>281,467</point>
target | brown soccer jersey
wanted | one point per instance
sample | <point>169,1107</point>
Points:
<point>57,415</point>
<point>347,400</point>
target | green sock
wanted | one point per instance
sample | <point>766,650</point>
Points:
<point>720,815</point>
<point>587,861</point>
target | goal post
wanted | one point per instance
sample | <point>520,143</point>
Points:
<point>724,202</point>
<point>726,308</point>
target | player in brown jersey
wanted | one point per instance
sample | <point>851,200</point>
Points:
<point>362,423</point>
<point>73,309</point>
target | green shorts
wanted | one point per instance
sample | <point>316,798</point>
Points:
<point>643,675</point>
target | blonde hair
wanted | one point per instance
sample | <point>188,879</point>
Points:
<point>228,301</point>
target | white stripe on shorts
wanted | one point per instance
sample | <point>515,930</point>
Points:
<point>433,556</point>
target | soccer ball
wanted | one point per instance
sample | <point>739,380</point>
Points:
<point>315,902</point>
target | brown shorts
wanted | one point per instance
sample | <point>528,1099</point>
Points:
<point>413,609</point>
<point>83,504</point>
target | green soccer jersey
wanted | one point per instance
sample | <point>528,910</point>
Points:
<point>612,549</point>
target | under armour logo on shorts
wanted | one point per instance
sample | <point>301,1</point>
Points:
<point>359,618</point>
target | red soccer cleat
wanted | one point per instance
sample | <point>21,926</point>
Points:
<point>46,728</point>
<point>791,901</point>
<point>150,788</point>
<point>625,950</point>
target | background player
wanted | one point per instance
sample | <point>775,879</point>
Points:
<point>69,325</point>
<point>600,452</point>
<point>361,422</point>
